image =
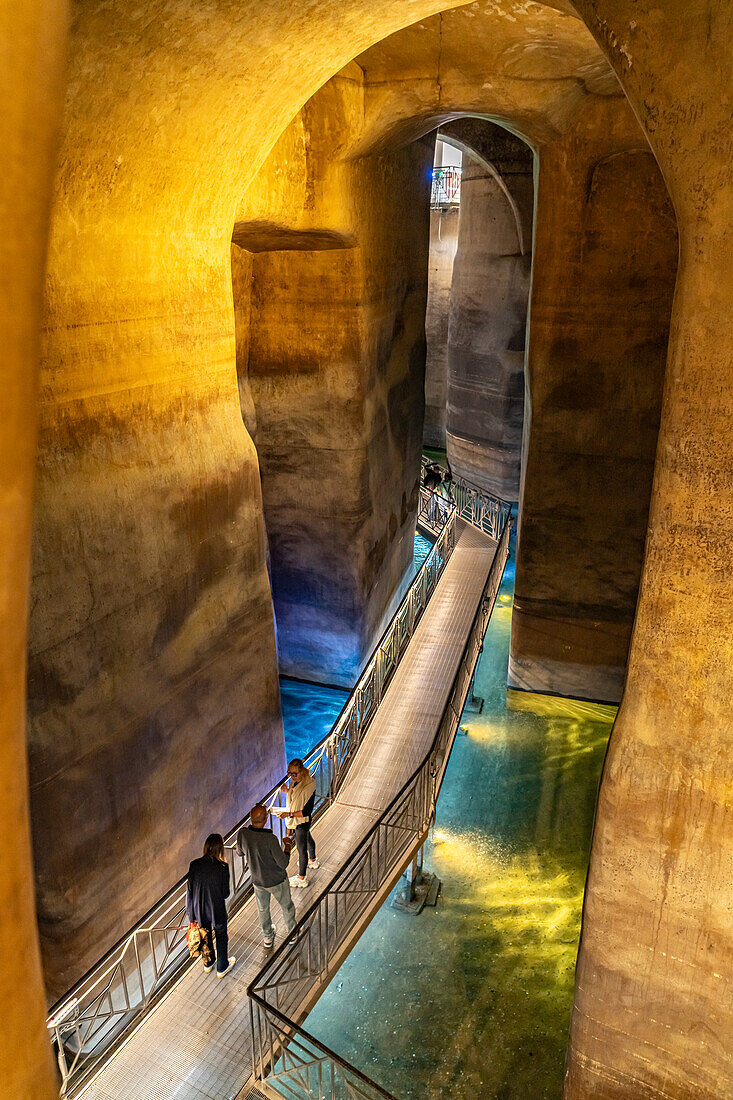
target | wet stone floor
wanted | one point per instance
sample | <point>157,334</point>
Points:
<point>473,998</point>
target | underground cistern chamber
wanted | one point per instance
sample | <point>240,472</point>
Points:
<point>367,465</point>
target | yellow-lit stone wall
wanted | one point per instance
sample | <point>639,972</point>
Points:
<point>32,50</point>
<point>653,1008</point>
<point>170,110</point>
<point>334,270</point>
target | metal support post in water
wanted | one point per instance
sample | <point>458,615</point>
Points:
<point>413,876</point>
<point>474,702</point>
<point>417,888</point>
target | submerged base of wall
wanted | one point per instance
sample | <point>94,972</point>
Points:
<point>594,683</point>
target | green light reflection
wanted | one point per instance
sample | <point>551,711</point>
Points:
<point>473,998</point>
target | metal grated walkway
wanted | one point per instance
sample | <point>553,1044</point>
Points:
<point>196,1043</point>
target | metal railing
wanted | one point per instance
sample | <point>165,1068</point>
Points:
<point>287,1058</point>
<point>473,504</point>
<point>95,1016</point>
<point>446,189</point>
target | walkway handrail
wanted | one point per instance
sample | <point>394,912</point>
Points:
<point>95,1015</point>
<point>446,187</point>
<point>473,504</point>
<point>284,1053</point>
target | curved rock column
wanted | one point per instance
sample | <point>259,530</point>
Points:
<point>155,707</point>
<point>653,1013</point>
<point>605,255</point>
<point>31,92</point>
<point>486,331</point>
<point>443,244</point>
<point>335,363</point>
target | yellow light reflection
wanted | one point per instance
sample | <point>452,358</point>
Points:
<point>528,903</point>
<point>551,706</point>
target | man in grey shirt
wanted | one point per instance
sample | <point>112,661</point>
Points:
<point>267,863</point>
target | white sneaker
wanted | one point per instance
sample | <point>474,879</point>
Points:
<point>232,960</point>
<point>209,967</point>
<point>269,942</point>
<point>314,864</point>
<point>296,881</point>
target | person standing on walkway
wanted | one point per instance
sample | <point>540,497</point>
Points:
<point>301,796</point>
<point>447,483</point>
<point>433,477</point>
<point>267,863</point>
<point>206,894</point>
<point>432,482</point>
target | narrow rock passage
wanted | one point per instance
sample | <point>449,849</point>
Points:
<point>473,999</point>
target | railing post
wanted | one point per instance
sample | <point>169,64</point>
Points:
<point>379,675</point>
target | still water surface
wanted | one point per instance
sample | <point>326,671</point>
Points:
<point>473,998</point>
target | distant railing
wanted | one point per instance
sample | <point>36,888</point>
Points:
<point>291,1061</point>
<point>93,1018</point>
<point>473,504</point>
<point>446,189</point>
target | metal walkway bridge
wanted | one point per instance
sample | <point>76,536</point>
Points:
<point>147,1023</point>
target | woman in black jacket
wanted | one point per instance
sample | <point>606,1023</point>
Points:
<point>208,889</point>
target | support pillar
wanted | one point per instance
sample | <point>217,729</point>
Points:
<point>488,314</point>
<point>604,265</point>
<point>443,244</point>
<point>653,1015</point>
<point>335,363</point>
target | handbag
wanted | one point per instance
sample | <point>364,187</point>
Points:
<point>198,943</point>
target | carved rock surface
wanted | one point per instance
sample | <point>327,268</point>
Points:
<point>605,260</point>
<point>148,725</point>
<point>334,357</point>
<point>488,311</point>
<point>443,244</point>
<point>653,1013</point>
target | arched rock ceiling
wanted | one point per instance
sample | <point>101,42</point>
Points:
<point>170,106</point>
<point>520,63</point>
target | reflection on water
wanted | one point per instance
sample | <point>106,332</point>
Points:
<point>423,547</point>
<point>473,998</point>
<point>309,711</point>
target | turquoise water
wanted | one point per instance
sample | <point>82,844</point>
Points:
<point>309,711</point>
<point>473,998</point>
<point>423,547</point>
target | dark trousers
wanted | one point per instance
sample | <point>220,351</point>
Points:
<point>222,945</point>
<point>306,846</point>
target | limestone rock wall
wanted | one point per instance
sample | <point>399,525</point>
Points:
<point>152,652</point>
<point>153,698</point>
<point>488,313</point>
<point>33,36</point>
<point>653,1010</point>
<point>443,244</point>
<point>335,364</point>
<point>605,263</point>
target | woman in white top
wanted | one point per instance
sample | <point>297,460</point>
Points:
<point>301,796</point>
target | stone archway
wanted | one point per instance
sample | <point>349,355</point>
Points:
<point>138,298</point>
